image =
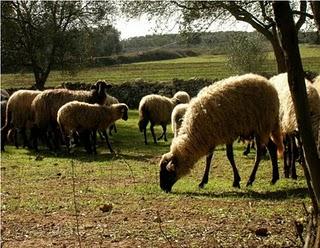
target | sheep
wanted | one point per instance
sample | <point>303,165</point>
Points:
<point>157,109</point>
<point>46,105</point>
<point>112,100</point>
<point>316,83</point>
<point>240,105</point>
<point>288,121</point>
<point>3,112</point>
<point>176,122</point>
<point>19,114</point>
<point>4,95</point>
<point>81,116</point>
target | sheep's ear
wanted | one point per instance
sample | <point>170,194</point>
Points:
<point>93,87</point>
<point>171,166</point>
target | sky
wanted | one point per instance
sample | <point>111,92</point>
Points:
<point>141,27</point>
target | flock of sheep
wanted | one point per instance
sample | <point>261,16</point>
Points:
<point>243,106</point>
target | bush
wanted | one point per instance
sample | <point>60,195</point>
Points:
<point>246,53</point>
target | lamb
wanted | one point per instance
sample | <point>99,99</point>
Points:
<point>46,105</point>
<point>240,105</point>
<point>157,109</point>
<point>81,116</point>
<point>19,114</point>
<point>288,121</point>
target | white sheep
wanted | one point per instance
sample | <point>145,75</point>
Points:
<point>46,105</point>
<point>288,121</point>
<point>19,114</point>
<point>84,117</point>
<point>240,105</point>
<point>112,100</point>
<point>157,110</point>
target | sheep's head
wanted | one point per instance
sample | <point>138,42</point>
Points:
<point>99,91</point>
<point>123,110</point>
<point>168,173</point>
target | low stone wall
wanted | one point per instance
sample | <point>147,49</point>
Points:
<point>131,92</point>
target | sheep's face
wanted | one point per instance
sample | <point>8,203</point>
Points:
<point>124,110</point>
<point>99,90</point>
<point>168,173</point>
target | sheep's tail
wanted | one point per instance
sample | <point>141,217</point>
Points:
<point>143,120</point>
<point>277,138</point>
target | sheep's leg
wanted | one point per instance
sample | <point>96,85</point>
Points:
<point>164,133</point>
<point>108,143</point>
<point>153,134</point>
<point>34,137</point>
<point>205,177</point>
<point>256,163</point>
<point>272,148</point>
<point>294,158</point>
<point>86,139</point>
<point>236,176</point>
<point>94,141</point>
<point>24,137</point>
<point>15,137</point>
<point>286,156</point>
<point>145,135</point>
<point>247,150</point>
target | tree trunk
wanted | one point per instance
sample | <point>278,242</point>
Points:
<point>289,40</point>
<point>40,76</point>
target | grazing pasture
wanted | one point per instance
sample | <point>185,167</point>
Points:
<point>206,66</point>
<point>79,200</point>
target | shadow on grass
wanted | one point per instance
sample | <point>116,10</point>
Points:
<point>83,156</point>
<point>279,195</point>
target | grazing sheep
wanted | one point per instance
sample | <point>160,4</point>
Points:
<point>81,116</point>
<point>47,104</point>
<point>19,115</point>
<point>240,105</point>
<point>157,109</point>
<point>288,121</point>
<point>176,122</point>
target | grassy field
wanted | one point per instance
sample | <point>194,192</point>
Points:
<point>80,200</point>
<point>207,66</point>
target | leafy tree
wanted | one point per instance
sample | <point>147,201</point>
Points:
<point>41,34</point>
<point>245,53</point>
<point>199,15</point>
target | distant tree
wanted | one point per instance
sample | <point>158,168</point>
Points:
<point>198,15</point>
<point>105,41</point>
<point>40,34</point>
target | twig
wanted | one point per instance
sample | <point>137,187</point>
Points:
<point>128,165</point>
<point>161,230</point>
<point>75,204</point>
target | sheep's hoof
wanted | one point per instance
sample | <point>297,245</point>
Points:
<point>249,183</point>
<point>273,181</point>
<point>236,185</point>
<point>201,185</point>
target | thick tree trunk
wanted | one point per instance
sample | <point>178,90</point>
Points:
<point>289,40</point>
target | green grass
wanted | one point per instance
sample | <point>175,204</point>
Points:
<point>206,66</point>
<point>38,198</point>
